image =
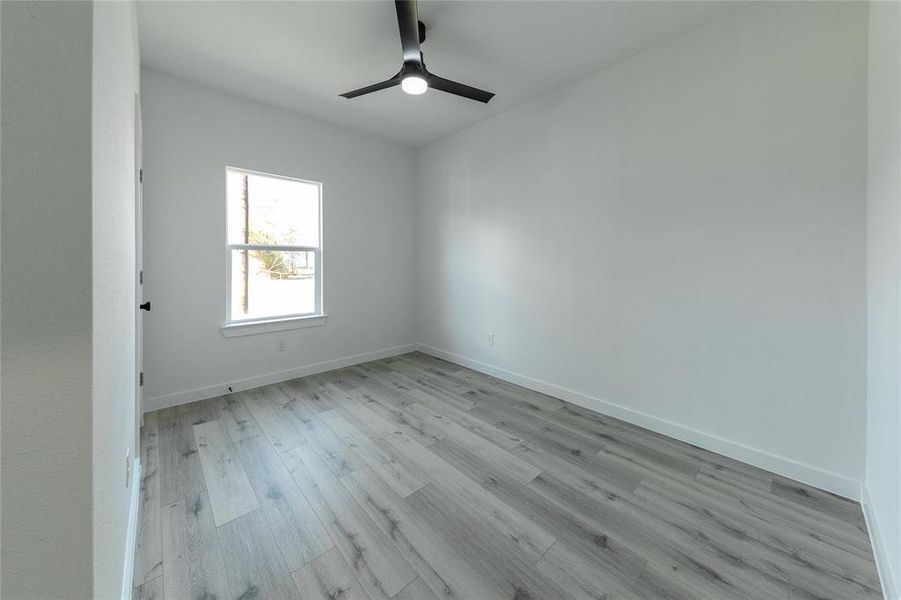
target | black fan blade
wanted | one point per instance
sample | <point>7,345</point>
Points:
<point>374,87</point>
<point>459,89</point>
<point>408,24</point>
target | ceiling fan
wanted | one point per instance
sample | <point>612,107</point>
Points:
<point>413,77</point>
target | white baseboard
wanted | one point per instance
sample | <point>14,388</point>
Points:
<point>832,482</point>
<point>131,535</point>
<point>891,590</point>
<point>212,391</point>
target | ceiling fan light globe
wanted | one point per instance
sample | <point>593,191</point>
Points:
<point>414,85</point>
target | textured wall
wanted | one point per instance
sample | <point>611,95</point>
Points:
<point>681,235</point>
<point>116,78</point>
<point>191,133</point>
<point>883,480</point>
<point>45,215</point>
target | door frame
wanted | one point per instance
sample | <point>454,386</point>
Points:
<point>139,264</point>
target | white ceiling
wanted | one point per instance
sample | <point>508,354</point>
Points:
<point>301,55</point>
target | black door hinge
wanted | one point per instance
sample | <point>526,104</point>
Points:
<point>141,277</point>
<point>141,175</point>
<point>141,378</point>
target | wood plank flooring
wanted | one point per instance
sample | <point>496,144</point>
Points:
<point>411,478</point>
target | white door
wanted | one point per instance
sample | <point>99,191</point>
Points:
<point>139,265</point>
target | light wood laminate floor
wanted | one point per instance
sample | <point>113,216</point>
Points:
<point>412,478</point>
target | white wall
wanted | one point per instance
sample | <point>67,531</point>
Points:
<point>883,472</point>
<point>46,296</point>
<point>191,134</point>
<point>115,83</point>
<point>681,236</point>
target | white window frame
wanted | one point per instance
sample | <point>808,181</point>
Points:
<point>239,327</point>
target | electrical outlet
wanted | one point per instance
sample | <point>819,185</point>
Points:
<point>491,340</point>
<point>127,467</point>
<point>281,345</point>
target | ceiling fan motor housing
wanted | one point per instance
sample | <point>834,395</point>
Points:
<point>413,68</point>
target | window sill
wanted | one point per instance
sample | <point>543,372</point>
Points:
<point>257,327</point>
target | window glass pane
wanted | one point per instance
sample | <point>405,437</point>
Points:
<point>277,211</point>
<point>271,284</point>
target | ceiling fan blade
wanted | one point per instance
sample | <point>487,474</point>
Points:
<point>374,87</point>
<point>459,89</point>
<point>408,24</point>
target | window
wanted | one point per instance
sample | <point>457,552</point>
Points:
<point>274,252</point>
